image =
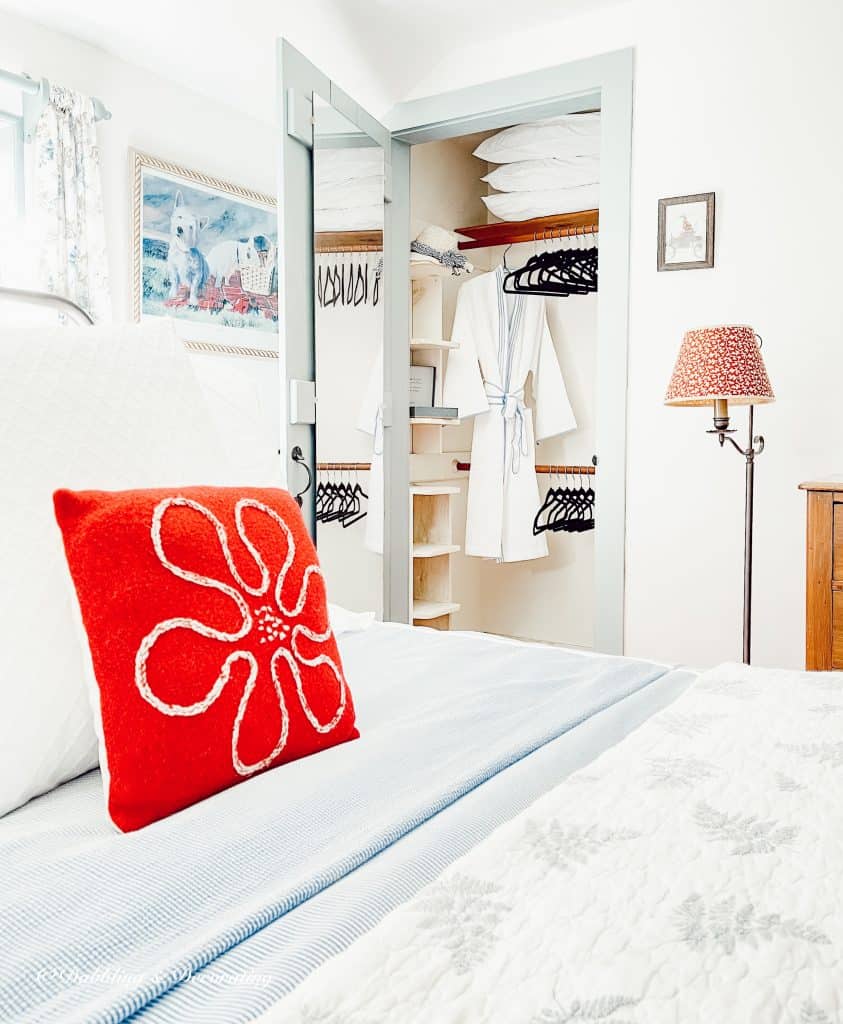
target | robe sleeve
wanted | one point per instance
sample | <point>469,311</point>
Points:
<point>554,414</point>
<point>463,381</point>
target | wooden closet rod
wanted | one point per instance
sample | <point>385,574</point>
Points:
<point>539,229</point>
<point>349,241</point>
<point>363,466</point>
<point>464,467</point>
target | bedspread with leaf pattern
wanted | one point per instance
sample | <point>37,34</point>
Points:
<point>693,873</point>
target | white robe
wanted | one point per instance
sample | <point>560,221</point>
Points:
<point>502,338</point>
<point>370,421</point>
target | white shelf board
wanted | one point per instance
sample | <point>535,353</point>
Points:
<point>433,550</point>
<point>419,344</point>
<point>418,270</point>
<point>433,421</point>
<point>434,489</point>
<point>433,609</point>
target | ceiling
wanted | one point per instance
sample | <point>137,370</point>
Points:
<point>376,50</point>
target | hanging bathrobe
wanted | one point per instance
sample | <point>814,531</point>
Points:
<point>370,421</point>
<point>502,338</point>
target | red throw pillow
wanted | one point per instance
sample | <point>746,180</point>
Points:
<point>208,627</point>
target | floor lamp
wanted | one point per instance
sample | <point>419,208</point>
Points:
<point>716,366</point>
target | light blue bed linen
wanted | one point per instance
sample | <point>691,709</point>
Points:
<point>95,926</point>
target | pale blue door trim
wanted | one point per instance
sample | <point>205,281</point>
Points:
<point>298,82</point>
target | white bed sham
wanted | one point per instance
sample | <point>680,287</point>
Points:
<point>690,875</point>
<point>100,407</point>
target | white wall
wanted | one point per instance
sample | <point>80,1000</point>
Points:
<point>150,114</point>
<point>741,99</point>
<point>164,120</point>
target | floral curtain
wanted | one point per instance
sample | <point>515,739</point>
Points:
<point>68,203</point>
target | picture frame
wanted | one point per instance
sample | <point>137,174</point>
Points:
<point>686,232</point>
<point>205,253</point>
<point>422,385</point>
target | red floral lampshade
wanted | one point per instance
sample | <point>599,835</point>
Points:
<point>720,363</point>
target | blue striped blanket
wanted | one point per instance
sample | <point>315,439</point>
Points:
<point>95,925</point>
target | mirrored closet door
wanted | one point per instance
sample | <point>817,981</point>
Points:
<point>348,211</point>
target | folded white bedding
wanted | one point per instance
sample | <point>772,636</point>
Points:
<point>567,136</point>
<point>549,173</point>
<point>440,715</point>
<point>691,874</point>
<point>543,202</point>
<point>355,192</point>
<point>360,218</point>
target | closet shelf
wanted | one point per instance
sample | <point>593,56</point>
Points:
<point>433,421</point>
<point>433,609</point>
<point>505,232</point>
<point>433,489</point>
<point>434,550</point>
<point>419,344</point>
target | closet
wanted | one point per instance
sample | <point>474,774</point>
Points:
<point>393,447</point>
<point>548,598</point>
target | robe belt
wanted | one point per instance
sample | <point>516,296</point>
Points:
<point>514,412</point>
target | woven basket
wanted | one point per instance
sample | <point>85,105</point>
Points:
<point>256,279</point>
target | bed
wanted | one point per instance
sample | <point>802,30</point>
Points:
<point>220,911</point>
<point>711,896</point>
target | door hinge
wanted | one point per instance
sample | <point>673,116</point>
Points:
<point>300,117</point>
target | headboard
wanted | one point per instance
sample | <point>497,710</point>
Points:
<point>242,386</point>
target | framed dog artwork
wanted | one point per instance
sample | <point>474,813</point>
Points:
<point>204,252</point>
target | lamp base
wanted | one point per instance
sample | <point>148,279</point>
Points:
<point>753,449</point>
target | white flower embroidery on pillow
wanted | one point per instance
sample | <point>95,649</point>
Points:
<point>274,621</point>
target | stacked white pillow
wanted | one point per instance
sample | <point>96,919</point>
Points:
<point>348,188</point>
<point>548,167</point>
<point>98,407</point>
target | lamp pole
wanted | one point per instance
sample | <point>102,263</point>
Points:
<point>753,449</point>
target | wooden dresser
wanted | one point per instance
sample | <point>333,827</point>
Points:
<point>824,574</point>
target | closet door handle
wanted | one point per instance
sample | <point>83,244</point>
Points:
<point>297,455</point>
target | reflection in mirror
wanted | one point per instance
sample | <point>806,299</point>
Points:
<point>348,169</point>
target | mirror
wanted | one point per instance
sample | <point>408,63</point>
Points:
<point>348,175</point>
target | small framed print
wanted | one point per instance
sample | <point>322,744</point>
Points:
<point>686,232</point>
<point>422,385</point>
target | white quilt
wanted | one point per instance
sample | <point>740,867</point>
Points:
<point>693,873</point>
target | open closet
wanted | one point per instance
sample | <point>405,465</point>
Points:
<point>532,576</point>
<point>468,446</point>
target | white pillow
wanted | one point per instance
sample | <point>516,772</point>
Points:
<point>543,202</point>
<point>359,218</point>
<point>567,136</point>
<point>100,407</point>
<point>347,194</point>
<point>552,172</point>
<point>337,166</point>
<point>344,621</point>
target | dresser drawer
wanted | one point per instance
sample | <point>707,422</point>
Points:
<point>837,629</point>
<point>824,576</point>
<point>837,549</point>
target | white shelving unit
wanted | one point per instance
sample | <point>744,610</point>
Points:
<point>430,503</point>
